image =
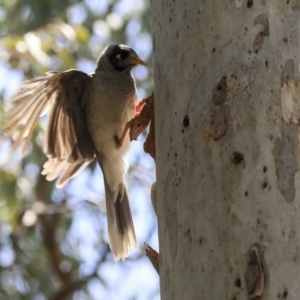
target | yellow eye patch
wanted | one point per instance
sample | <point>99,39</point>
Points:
<point>118,56</point>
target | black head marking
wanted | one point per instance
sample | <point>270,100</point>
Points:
<point>119,56</point>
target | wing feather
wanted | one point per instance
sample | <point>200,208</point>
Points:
<point>67,143</point>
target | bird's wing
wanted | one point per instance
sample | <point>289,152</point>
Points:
<point>67,143</point>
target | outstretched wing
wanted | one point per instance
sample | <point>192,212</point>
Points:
<point>67,144</point>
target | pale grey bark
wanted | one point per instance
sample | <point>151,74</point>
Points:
<point>227,148</point>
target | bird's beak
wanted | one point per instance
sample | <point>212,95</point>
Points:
<point>137,61</point>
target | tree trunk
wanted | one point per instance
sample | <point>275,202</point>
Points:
<point>227,109</point>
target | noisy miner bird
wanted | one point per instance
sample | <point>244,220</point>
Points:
<point>88,113</point>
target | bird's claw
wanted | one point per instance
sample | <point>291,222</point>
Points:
<point>144,115</point>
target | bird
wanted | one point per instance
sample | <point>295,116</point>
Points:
<point>87,115</point>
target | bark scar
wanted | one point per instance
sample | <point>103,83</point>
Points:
<point>286,149</point>
<point>260,38</point>
<point>288,72</point>
<point>197,84</point>
<point>217,124</point>
<point>255,276</point>
<point>286,162</point>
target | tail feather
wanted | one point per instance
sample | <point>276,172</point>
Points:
<point>121,232</point>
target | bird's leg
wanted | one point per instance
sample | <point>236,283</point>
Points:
<point>128,125</point>
<point>138,110</point>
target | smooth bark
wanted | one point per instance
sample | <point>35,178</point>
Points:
<point>227,158</point>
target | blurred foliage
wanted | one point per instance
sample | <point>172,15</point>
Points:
<point>45,252</point>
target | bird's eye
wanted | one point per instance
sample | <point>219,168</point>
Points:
<point>122,55</point>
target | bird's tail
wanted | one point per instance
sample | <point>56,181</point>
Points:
<point>121,232</point>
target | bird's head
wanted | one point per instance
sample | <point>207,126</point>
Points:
<point>120,57</point>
